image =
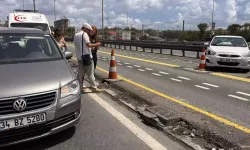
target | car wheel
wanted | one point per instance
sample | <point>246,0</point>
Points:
<point>208,67</point>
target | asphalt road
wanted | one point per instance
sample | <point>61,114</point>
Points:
<point>102,128</point>
<point>190,61</point>
<point>227,98</point>
<point>224,97</point>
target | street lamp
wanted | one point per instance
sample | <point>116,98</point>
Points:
<point>55,9</point>
<point>23,4</point>
<point>34,3</point>
<point>127,17</point>
<point>102,21</point>
<point>212,26</point>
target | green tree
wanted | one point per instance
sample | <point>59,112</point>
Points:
<point>202,27</point>
<point>234,29</point>
<point>70,31</point>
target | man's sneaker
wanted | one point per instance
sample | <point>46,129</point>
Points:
<point>97,90</point>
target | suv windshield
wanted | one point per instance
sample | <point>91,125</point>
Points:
<point>41,26</point>
<point>229,41</point>
<point>18,48</point>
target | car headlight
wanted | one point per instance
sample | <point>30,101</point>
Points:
<point>210,52</point>
<point>246,54</point>
<point>73,88</point>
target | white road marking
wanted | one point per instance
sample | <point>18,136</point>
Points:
<point>202,87</point>
<point>104,59</point>
<point>175,79</point>
<point>136,130</point>
<point>141,70</point>
<point>137,66</point>
<point>118,61</point>
<point>148,69</point>
<point>163,72</point>
<point>129,66</point>
<point>183,78</point>
<point>246,94</point>
<point>237,97</point>
<point>126,63</point>
<point>156,74</point>
<point>212,85</point>
<point>154,57</point>
<point>119,64</point>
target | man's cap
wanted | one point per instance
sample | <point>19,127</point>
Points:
<point>86,25</point>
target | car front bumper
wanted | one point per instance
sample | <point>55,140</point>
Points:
<point>239,62</point>
<point>62,115</point>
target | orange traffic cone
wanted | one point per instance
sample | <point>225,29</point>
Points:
<point>203,60</point>
<point>112,69</point>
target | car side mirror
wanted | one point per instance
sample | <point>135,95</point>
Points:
<point>206,43</point>
<point>68,54</point>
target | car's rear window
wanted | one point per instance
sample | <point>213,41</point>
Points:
<point>21,48</point>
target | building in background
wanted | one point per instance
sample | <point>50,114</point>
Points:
<point>62,23</point>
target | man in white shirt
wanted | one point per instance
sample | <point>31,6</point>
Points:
<point>83,48</point>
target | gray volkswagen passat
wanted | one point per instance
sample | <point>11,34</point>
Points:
<point>39,93</point>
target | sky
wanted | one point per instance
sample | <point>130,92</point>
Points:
<point>156,14</point>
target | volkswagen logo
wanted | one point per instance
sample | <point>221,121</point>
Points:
<point>19,104</point>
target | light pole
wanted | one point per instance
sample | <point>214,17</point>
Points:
<point>55,9</point>
<point>34,3</point>
<point>212,26</point>
<point>23,4</point>
<point>127,17</point>
<point>102,21</point>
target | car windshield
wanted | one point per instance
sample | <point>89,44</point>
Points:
<point>41,26</point>
<point>229,41</point>
<point>21,48</point>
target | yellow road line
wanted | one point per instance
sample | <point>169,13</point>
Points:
<point>218,118</point>
<point>176,66</point>
<point>231,77</point>
<point>145,60</point>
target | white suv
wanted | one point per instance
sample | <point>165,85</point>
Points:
<point>228,51</point>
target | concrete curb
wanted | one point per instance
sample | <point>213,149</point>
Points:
<point>153,120</point>
<point>156,124</point>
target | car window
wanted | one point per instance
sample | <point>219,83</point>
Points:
<point>27,48</point>
<point>229,41</point>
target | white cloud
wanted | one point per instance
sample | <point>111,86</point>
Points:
<point>165,14</point>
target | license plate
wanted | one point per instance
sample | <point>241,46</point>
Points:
<point>22,121</point>
<point>228,60</point>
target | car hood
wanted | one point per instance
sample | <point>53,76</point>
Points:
<point>230,50</point>
<point>28,78</point>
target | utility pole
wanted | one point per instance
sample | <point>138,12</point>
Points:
<point>127,19</point>
<point>102,21</point>
<point>34,3</point>
<point>55,9</point>
<point>142,29</point>
<point>23,4</point>
<point>212,26</point>
<point>183,29</point>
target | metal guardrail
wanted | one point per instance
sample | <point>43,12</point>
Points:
<point>186,46</point>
